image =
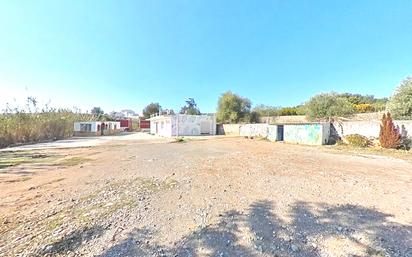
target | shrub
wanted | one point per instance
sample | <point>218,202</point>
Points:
<point>400,104</point>
<point>233,108</point>
<point>328,106</point>
<point>23,127</point>
<point>363,108</point>
<point>357,140</point>
<point>179,139</point>
<point>389,136</point>
<point>340,142</point>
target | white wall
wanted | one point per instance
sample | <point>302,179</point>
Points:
<point>370,128</point>
<point>254,130</point>
<point>190,125</point>
<point>93,127</point>
<point>164,126</point>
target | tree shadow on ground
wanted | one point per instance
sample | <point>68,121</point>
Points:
<point>363,231</point>
<point>72,241</point>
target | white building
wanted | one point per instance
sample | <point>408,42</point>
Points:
<point>183,125</point>
<point>96,128</point>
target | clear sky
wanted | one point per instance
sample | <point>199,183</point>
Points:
<point>125,54</point>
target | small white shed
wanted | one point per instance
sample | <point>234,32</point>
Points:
<point>96,128</point>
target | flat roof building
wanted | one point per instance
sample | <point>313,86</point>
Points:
<point>183,125</point>
<point>96,128</point>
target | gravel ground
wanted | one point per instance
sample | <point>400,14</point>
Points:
<point>215,197</point>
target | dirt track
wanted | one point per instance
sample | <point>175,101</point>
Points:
<point>216,197</point>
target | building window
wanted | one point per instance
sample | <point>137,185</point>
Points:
<point>86,127</point>
<point>115,126</point>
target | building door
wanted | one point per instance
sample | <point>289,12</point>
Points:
<point>280,133</point>
<point>157,128</point>
<point>204,127</point>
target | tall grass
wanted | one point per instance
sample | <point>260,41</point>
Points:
<point>29,124</point>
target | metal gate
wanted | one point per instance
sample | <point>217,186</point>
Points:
<point>280,133</point>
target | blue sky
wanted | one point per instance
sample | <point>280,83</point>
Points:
<point>125,54</point>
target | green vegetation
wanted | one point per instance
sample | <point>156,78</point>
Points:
<point>332,105</point>
<point>11,159</point>
<point>179,140</point>
<point>23,127</point>
<point>400,104</point>
<point>233,108</point>
<point>72,161</point>
<point>266,110</point>
<point>31,125</point>
<point>328,106</point>
<point>190,108</point>
<point>151,109</point>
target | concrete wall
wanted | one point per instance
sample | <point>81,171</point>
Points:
<point>183,125</point>
<point>284,119</point>
<point>163,125</point>
<point>309,134</point>
<point>272,132</point>
<point>369,128</point>
<point>229,129</point>
<point>191,125</point>
<point>254,130</point>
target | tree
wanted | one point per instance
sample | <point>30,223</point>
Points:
<point>97,111</point>
<point>400,104</point>
<point>252,117</point>
<point>150,109</point>
<point>328,106</point>
<point>266,110</point>
<point>190,108</point>
<point>232,108</point>
<point>389,136</point>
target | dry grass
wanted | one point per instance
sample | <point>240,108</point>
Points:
<point>22,127</point>
<point>73,161</point>
<point>400,154</point>
<point>12,159</point>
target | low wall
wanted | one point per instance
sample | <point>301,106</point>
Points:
<point>254,130</point>
<point>308,134</point>
<point>369,128</point>
<point>302,118</point>
<point>228,129</point>
<point>311,134</point>
<point>284,119</point>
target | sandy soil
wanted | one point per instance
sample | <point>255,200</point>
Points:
<point>215,197</point>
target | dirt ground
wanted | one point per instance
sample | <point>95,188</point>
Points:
<point>214,197</point>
